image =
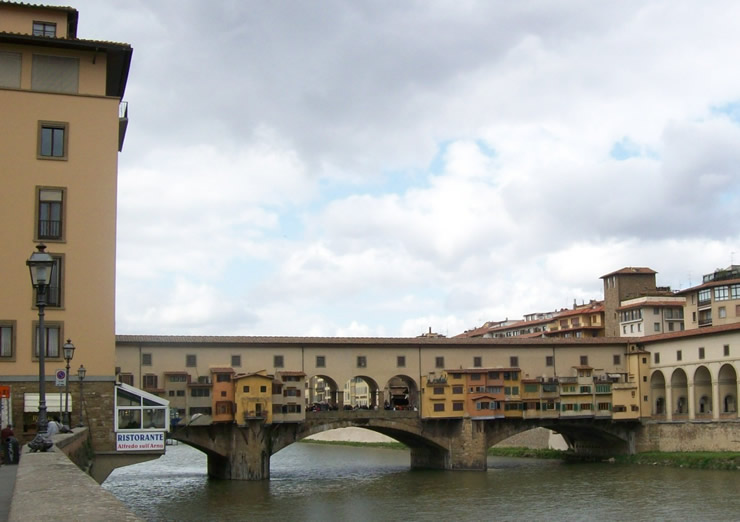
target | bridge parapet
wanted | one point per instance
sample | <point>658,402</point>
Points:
<point>360,414</point>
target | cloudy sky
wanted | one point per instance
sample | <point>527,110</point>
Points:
<point>378,168</point>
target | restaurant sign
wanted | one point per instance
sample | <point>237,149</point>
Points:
<point>140,441</point>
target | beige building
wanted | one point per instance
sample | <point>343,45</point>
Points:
<point>651,315</point>
<point>714,302</point>
<point>63,123</point>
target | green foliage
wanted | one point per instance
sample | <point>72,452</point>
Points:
<point>729,460</point>
<point>526,453</point>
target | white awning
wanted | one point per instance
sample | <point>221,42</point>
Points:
<point>54,402</point>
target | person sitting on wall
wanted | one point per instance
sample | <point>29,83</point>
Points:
<point>53,427</point>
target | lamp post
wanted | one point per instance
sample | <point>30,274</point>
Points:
<point>81,376</point>
<point>69,351</point>
<point>41,266</point>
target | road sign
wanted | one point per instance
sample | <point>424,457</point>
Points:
<point>61,374</point>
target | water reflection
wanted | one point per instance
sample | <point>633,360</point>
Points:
<point>323,482</point>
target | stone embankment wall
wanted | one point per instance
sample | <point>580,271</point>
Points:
<point>689,436</point>
<point>49,486</point>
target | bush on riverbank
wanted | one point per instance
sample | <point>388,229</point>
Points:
<point>690,459</point>
<point>526,453</point>
<point>694,459</point>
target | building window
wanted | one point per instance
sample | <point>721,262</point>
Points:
<point>45,29</point>
<point>245,389</point>
<point>176,378</point>
<point>191,361</point>
<point>679,355</point>
<point>263,389</point>
<point>278,361</point>
<point>514,361</point>
<point>126,378</point>
<point>10,70</point>
<point>549,360</point>
<point>584,360</point>
<point>705,296</point>
<point>701,353</point>
<point>439,406</point>
<point>656,358</point>
<point>53,334</point>
<point>200,392</point>
<point>457,390</point>
<point>361,361</point>
<point>439,362</point>
<point>656,310</point>
<point>223,377</point>
<point>458,406</point>
<point>735,291</point>
<point>150,381</point>
<point>52,140</point>
<point>722,312</point>
<point>146,359</point>
<point>401,361</point>
<point>439,390</point>
<point>50,214</point>
<point>236,361</point>
<point>656,327</point>
<point>320,361</point>
<point>55,73</point>
<point>171,393</point>
<point>477,362</point>
<point>617,360</point>
<point>7,339</point>
<point>624,329</point>
<point>722,293</point>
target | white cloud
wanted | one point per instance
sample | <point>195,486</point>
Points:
<point>376,169</point>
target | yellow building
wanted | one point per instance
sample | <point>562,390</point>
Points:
<point>253,397</point>
<point>62,128</point>
<point>443,395</point>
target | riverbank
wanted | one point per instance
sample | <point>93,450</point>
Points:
<point>694,459</point>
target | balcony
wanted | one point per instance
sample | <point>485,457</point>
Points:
<point>122,123</point>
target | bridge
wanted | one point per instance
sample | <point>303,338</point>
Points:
<point>242,452</point>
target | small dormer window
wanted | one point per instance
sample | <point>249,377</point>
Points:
<point>45,29</point>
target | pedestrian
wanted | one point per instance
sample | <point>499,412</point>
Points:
<point>53,427</point>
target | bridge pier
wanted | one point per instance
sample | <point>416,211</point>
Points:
<point>466,447</point>
<point>234,452</point>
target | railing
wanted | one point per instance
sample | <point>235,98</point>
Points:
<point>707,321</point>
<point>360,414</point>
<point>50,229</point>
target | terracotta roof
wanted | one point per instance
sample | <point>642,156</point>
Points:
<point>222,370</point>
<point>710,284</point>
<point>379,342</point>
<point>708,330</point>
<point>483,370</point>
<point>631,270</point>
<point>587,309</point>
<point>176,373</point>
<point>649,304</point>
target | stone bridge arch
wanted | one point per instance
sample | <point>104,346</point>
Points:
<point>587,437</point>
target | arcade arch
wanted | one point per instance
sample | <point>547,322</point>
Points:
<point>727,390</point>
<point>702,392</point>
<point>401,393</point>
<point>657,392</point>
<point>680,392</point>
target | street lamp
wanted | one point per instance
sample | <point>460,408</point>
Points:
<point>41,266</point>
<point>81,376</point>
<point>69,351</point>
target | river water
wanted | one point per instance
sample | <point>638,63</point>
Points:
<point>330,482</point>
